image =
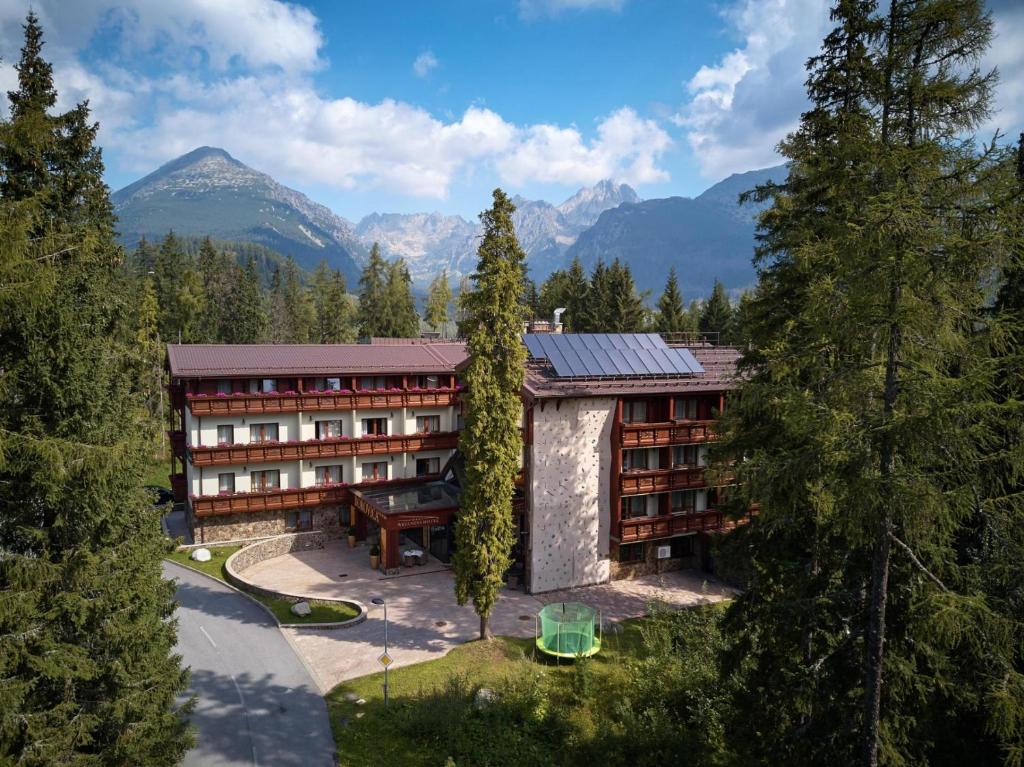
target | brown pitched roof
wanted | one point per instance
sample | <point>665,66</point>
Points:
<point>719,363</point>
<point>227,360</point>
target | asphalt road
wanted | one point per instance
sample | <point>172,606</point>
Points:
<point>256,702</point>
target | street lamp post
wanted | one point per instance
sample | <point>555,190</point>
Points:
<point>385,659</point>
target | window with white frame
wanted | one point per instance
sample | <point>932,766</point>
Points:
<point>223,387</point>
<point>375,470</point>
<point>268,385</point>
<point>269,479</point>
<point>226,434</point>
<point>425,466</point>
<point>375,426</point>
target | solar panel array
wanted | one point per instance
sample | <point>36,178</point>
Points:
<point>607,355</point>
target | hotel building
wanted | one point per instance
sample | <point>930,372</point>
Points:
<point>268,439</point>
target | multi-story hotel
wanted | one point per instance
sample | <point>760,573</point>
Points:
<point>273,438</point>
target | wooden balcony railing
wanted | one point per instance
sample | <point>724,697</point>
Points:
<point>179,487</point>
<point>330,448</point>
<point>177,439</point>
<point>661,480</point>
<point>256,404</point>
<point>292,498</point>
<point>650,528</point>
<point>667,433</point>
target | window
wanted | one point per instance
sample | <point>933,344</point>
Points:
<point>226,435</point>
<point>373,382</point>
<point>688,501</point>
<point>685,455</point>
<point>376,426</point>
<point>252,386</point>
<point>328,475</point>
<point>426,466</point>
<point>428,382</point>
<point>631,552</point>
<point>226,483</point>
<point>426,424</point>
<point>334,384</point>
<point>634,506</point>
<point>374,471</point>
<point>263,432</point>
<point>686,408</point>
<point>266,480</point>
<point>682,546</point>
<point>328,429</point>
<point>268,385</point>
<point>634,460</point>
<point>223,387</point>
<point>299,520</point>
<point>634,411</point>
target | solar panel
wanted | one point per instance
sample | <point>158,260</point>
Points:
<point>610,354</point>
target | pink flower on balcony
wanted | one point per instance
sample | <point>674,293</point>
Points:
<point>201,394</point>
<point>188,395</point>
<point>222,394</point>
<point>290,393</point>
<point>273,392</point>
<point>345,391</point>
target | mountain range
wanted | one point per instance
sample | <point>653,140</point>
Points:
<point>209,192</point>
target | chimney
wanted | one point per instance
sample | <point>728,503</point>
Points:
<point>558,320</point>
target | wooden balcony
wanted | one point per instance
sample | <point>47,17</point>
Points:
<point>258,404</point>
<point>293,498</point>
<point>177,439</point>
<point>667,433</point>
<point>178,487</point>
<point>661,480</point>
<point>651,528</point>
<point>330,448</point>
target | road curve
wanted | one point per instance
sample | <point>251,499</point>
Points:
<point>257,704</point>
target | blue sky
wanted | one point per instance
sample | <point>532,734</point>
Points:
<point>407,105</point>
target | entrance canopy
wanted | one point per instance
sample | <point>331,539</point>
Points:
<point>404,506</point>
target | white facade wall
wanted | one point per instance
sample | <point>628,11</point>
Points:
<point>570,466</point>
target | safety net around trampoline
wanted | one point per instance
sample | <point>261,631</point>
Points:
<point>567,629</point>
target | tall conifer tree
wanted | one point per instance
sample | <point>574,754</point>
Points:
<point>401,319</point>
<point>373,298</point>
<point>671,313</point>
<point>333,308</point>
<point>87,670</point>
<point>439,297</point>
<point>491,442</point>
<point>863,422</point>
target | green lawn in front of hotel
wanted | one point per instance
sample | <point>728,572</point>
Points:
<point>322,612</point>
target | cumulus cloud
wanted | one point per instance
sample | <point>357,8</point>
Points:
<point>530,9</point>
<point>1007,55</point>
<point>740,107</point>
<point>424,64</point>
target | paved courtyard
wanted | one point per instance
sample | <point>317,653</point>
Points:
<point>424,620</point>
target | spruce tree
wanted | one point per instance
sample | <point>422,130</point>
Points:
<point>439,297</point>
<point>627,312</point>
<point>491,443</point>
<point>671,316</point>
<point>333,309</point>
<point>213,268</point>
<point>373,297</point>
<point>87,669</point>
<point>600,299</point>
<point>716,314</point>
<point>553,295</point>
<point>576,296</point>
<point>401,320</point>
<point>246,307</point>
<point>866,410</point>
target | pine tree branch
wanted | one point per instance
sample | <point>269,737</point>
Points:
<point>917,562</point>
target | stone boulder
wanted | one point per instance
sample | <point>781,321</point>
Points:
<point>302,609</point>
<point>200,555</point>
<point>484,697</point>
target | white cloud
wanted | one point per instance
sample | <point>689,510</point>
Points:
<point>424,64</point>
<point>530,9</point>
<point>742,106</point>
<point>253,33</point>
<point>1007,54</point>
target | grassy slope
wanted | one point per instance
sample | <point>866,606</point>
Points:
<point>322,612</point>
<point>369,739</point>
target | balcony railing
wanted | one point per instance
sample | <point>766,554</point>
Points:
<point>661,480</point>
<point>328,448</point>
<point>650,528</point>
<point>177,439</point>
<point>667,433</point>
<point>256,404</point>
<point>292,498</point>
<point>179,487</point>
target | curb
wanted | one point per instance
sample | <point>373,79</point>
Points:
<point>334,625</point>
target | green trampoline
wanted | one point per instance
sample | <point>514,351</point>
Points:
<point>568,630</point>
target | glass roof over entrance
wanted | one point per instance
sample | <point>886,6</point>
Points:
<point>429,496</point>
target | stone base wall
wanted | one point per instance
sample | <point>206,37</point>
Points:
<point>275,547</point>
<point>651,565</point>
<point>260,524</point>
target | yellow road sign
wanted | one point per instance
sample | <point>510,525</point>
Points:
<point>385,660</point>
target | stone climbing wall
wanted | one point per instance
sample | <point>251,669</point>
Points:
<point>570,464</point>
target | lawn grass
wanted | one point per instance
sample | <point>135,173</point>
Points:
<point>369,738</point>
<point>322,612</point>
<point>157,473</point>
